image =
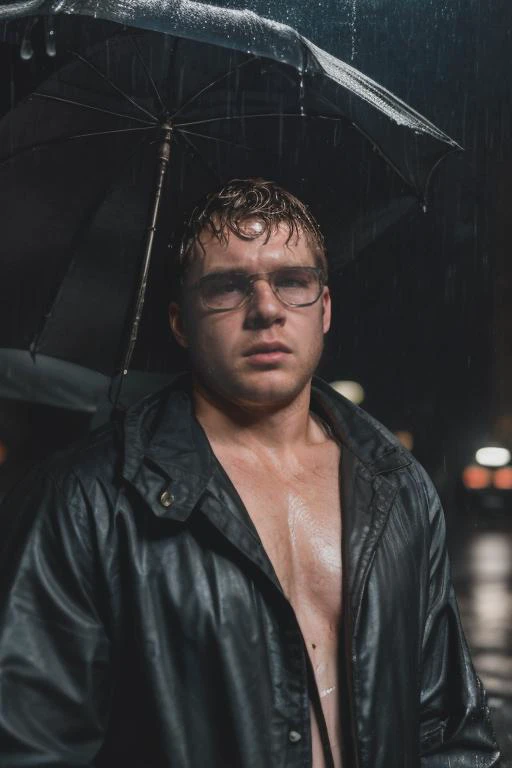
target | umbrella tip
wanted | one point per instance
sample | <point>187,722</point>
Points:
<point>50,39</point>
<point>26,48</point>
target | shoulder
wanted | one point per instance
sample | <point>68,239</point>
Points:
<point>378,452</point>
<point>60,492</point>
<point>95,459</point>
<point>417,498</point>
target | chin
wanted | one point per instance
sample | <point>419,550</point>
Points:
<point>256,388</point>
<point>266,389</point>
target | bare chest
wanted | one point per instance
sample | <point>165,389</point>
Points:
<point>298,519</point>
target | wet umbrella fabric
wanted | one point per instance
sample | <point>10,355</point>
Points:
<point>80,165</point>
<point>60,384</point>
<point>412,142</point>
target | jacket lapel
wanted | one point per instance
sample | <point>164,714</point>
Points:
<point>225,510</point>
<point>370,456</point>
<point>165,459</point>
<point>366,502</point>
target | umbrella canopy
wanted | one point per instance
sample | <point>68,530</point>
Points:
<point>60,384</point>
<point>412,141</point>
<point>78,162</point>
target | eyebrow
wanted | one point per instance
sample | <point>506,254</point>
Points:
<point>246,272</point>
<point>228,272</point>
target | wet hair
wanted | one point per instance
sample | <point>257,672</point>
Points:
<point>226,210</point>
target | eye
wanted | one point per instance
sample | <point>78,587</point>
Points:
<point>290,282</point>
<point>220,287</point>
<point>295,278</point>
<point>228,283</point>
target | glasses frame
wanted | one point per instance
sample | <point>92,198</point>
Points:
<point>267,276</point>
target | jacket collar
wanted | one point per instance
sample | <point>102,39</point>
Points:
<point>167,457</point>
<point>166,450</point>
<point>376,448</point>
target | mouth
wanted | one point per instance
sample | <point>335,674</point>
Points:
<point>267,352</point>
<point>267,348</point>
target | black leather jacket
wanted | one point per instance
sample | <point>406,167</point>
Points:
<point>145,626</point>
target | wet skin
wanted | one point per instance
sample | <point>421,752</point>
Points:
<point>254,409</point>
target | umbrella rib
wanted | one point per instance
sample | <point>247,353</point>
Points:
<point>61,139</point>
<point>212,83</point>
<point>199,155</point>
<point>264,114</point>
<point>220,141</point>
<point>148,74</point>
<point>106,133</point>
<point>115,87</point>
<point>384,156</point>
<point>42,95</point>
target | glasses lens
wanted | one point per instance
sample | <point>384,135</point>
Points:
<point>297,285</point>
<point>224,291</point>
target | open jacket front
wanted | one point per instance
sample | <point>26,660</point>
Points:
<point>145,626</point>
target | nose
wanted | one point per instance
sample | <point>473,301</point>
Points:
<point>263,308</point>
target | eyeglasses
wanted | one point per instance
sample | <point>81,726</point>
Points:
<point>293,286</point>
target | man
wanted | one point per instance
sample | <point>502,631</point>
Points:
<point>249,571</point>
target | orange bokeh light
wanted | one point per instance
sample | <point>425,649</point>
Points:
<point>503,479</point>
<point>406,438</point>
<point>475,478</point>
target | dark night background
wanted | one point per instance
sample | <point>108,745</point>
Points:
<point>422,318</point>
<point>416,317</point>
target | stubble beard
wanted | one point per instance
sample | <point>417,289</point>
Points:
<point>253,390</point>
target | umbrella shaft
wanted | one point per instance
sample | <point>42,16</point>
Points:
<point>164,154</point>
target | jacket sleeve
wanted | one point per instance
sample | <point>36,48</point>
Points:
<point>456,728</point>
<point>54,652</point>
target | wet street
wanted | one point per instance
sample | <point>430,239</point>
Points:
<point>482,571</point>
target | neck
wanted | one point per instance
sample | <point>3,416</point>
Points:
<point>280,428</point>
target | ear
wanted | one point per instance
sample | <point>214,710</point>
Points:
<point>177,325</point>
<point>326,309</point>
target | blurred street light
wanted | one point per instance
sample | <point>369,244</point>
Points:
<point>352,390</point>
<point>493,456</point>
<point>406,438</point>
<point>475,478</point>
<point>503,479</point>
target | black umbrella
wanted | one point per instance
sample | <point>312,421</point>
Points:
<point>78,160</point>
<point>57,383</point>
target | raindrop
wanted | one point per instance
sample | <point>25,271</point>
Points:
<point>353,29</point>
<point>301,95</point>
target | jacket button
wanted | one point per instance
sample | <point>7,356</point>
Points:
<point>294,737</point>
<point>166,498</point>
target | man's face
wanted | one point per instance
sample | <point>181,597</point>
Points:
<point>231,352</point>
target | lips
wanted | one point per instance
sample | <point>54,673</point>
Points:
<point>267,348</point>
